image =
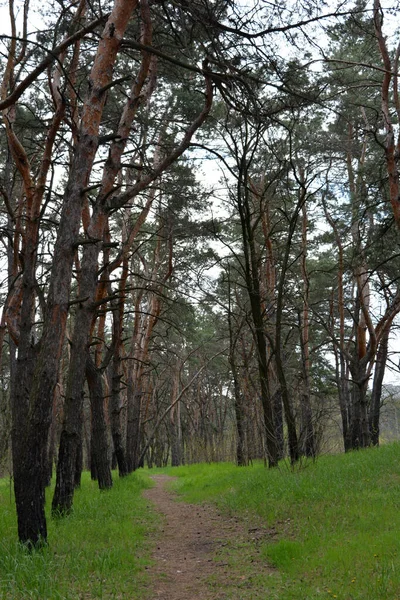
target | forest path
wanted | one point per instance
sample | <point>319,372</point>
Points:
<point>192,555</point>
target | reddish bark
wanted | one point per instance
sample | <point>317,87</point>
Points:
<point>30,439</point>
<point>392,146</point>
<point>95,229</point>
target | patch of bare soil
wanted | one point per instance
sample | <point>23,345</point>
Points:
<point>192,555</point>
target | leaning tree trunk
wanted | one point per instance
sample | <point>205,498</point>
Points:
<point>31,447</point>
<point>70,438</point>
<point>277,338</point>
<point>34,395</point>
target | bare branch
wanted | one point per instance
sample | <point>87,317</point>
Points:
<point>51,56</point>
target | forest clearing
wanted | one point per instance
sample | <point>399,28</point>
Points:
<point>326,529</point>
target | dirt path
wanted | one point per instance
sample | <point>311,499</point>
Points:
<point>189,559</point>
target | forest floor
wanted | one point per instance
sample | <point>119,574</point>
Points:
<point>192,559</point>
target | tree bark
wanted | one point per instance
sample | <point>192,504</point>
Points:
<point>360,437</point>
<point>176,435</point>
<point>88,284</point>
<point>37,394</point>
<point>341,362</point>
<point>253,289</point>
<point>71,433</point>
<point>115,416</point>
<point>392,145</point>
<point>133,426</point>
<point>278,420</point>
<point>307,427</point>
<point>116,404</point>
<point>99,443</point>
<point>241,454</point>
<point>375,406</point>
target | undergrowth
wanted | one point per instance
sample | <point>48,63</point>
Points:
<point>101,550</point>
<point>330,528</point>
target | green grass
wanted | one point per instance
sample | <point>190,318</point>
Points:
<point>327,530</point>
<point>100,551</point>
<point>331,528</point>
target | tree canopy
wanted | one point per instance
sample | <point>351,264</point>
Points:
<point>199,220</point>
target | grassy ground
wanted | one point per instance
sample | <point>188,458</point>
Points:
<point>99,551</point>
<point>331,528</point>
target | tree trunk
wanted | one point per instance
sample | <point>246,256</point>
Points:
<point>375,407</point>
<point>93,469</point>
<point>31,437</point>
<point>78,464</point>
<point>253,289</point>
<point>29,472</point>
<point>116,404</point>
<point>278,349</point>
<point>341,365</point>
<point>392,142</point>
<point>88,285</point>
<point>307,427</point>
<point>287,406</point>
<point>241,453</point>
<point>115,417</point>
<point>342,382</point>
<point>51,451</point>
<point>133,427</point>
<point>176,435</point>
<point>71,433</point>
<point>360,437</point>
<point>278,420</point>
<point>100,450</point>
